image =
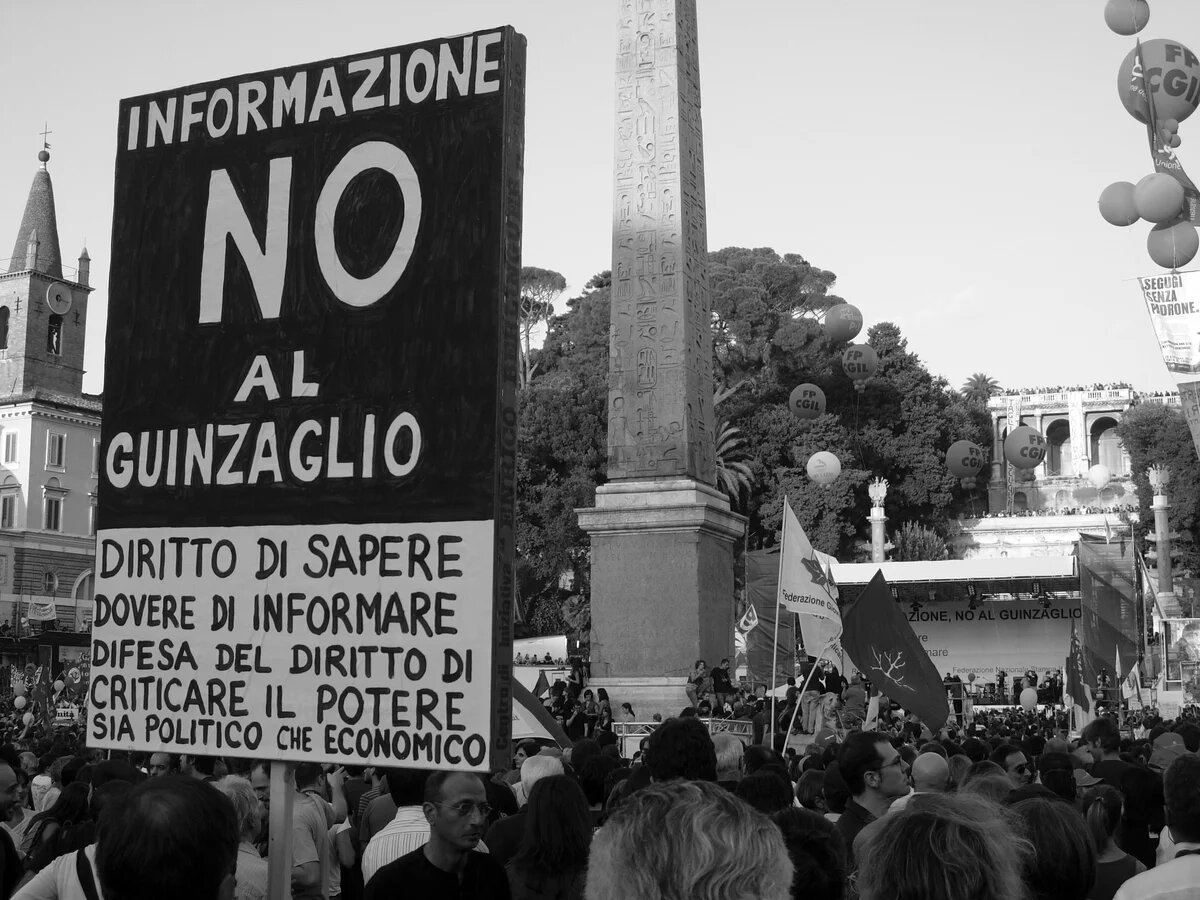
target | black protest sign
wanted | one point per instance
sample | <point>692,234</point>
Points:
<point>308,450</point>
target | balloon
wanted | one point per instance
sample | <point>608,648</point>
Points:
<point>964,459</point>
<point>860,361</point>
<point>59,684</point>
<point>19,687</point>
<point>971,677</point>
<point>843,322</point>
<point>1173,244</point>
<point>1126,16</point>
<point>1170,126</point>
<point>807,401</point>
<point>1024,448</point>
<point>1116,204</point>
<point>74,674</point>
<point>27,718</point>
<point>1098,476</point>
<point>19,702</point>
<point>824,468</point>
<point>1158,198</point>
<point>1029,699</point>
<point>1174,141</point>
<point>1174,77</point>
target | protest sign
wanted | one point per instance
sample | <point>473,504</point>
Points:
<point>308,450</point>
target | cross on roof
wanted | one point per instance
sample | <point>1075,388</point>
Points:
<point>45,132</point>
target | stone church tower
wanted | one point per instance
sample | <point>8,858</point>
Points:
<point>43,312</point>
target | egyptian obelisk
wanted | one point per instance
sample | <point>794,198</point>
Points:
<point>661,534</point>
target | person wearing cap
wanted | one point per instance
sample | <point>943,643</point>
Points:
<point>1178,876</point>
<point>1167,748</point>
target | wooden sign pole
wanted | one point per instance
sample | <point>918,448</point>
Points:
<point>279,852</point>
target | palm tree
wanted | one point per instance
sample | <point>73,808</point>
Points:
<point>734,475</point>
<point>980,387</point>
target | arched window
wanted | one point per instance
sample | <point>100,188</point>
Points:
<point>1106,447</point>
<point>54,334</point>
<point>1058,456</point>
<point>1020,502</point>
<point>3,327</point>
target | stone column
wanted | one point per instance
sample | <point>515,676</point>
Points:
<point>662,535</point>
<point>878,491</point>
<point>1160,478</point>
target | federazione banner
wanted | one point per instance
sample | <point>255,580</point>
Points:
<point>307,457</point>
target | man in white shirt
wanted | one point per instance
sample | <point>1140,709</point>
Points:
<point>408,829</point>
<point>1177,878</point>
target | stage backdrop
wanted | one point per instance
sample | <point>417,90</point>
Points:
<point>1012,636</point>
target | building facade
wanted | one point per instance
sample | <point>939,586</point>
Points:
<point>1080,427</point>
<point>49,430</point>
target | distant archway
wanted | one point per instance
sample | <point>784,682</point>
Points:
<point>1106,446</point>
<point>1058,451</point>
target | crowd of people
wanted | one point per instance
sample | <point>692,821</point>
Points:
<point>1063,389</point>
<point>1007,810</point>
<point>1113,510</point>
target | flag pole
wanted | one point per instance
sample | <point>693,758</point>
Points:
<point>804,687</point>
<point>778,592</point>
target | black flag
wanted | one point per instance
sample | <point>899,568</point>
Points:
<point>877,637</point>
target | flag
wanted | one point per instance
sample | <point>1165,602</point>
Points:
<point>1107,531</point>
<point>806,586</point>
<point>1129,682</point>
<point>1076,689</point>
<point>884,648</point>
<point>1163,155</point>
<point>749,620</point>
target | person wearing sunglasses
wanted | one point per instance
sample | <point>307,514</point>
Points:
<point>448,866</point>
<point>1016,766</point>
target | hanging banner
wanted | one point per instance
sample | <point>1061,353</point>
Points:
<point>306,495</point>
<point>1173,301</point>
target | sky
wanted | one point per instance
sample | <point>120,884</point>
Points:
<point>942,158</point>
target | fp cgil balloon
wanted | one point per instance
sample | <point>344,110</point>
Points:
<point>965,459</point>
<point>1025,448</point>
<point>859,362</point>
<point>1173,73</point>
<point>824,468</point>
<point>807,401</point>
<point>843,322</point>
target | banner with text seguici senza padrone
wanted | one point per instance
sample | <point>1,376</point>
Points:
<point>308,448</point>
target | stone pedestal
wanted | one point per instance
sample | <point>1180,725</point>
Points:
<point>662,588</point>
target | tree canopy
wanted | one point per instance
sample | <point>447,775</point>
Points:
<point>767,339</point>
<point>1156,435</point>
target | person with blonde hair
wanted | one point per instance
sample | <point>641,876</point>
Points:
<point>688,840</point>
<point>251,872</point>
<point>944,847</point>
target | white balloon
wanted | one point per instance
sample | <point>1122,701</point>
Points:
<point>824,468</point>
<point>19,702</point>
<point>1098,476</point>
<point>1029,699</point>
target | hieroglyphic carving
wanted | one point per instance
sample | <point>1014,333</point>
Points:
<point>660,360</point>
